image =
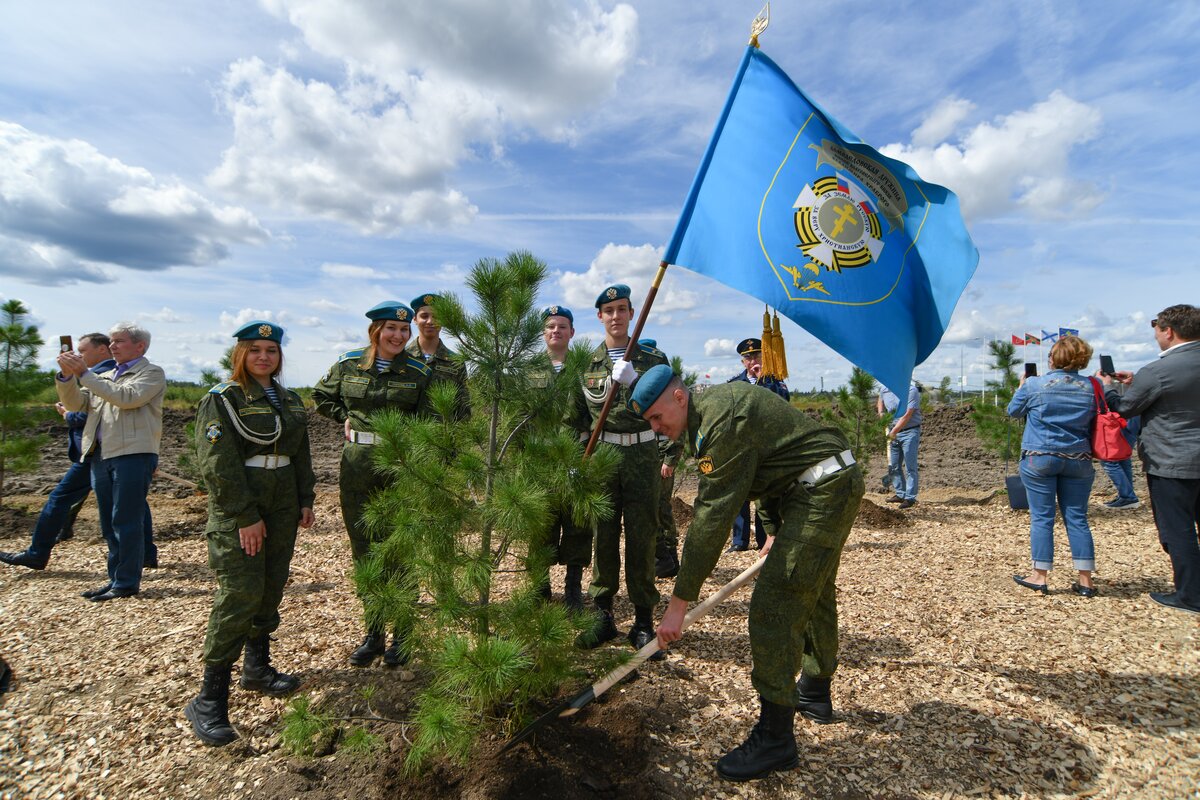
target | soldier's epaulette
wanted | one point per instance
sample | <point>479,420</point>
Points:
<point>654,351</point>
<point>419,365</point>
<point>221,387</point>
<point>352,355</point>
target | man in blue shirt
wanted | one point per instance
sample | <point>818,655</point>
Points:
<point>904,436</point>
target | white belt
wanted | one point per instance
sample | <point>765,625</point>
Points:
<point>362,437</point>
<point>813,475</point>
<point>628,439</point>
<point>268,462</point>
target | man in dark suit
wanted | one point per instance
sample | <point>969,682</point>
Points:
<point>1164,393</point>
<point>58,514</point>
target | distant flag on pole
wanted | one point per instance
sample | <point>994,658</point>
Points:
<point>1031,339</point>
<point>1017,339</point>
<point>1068,332</point>
<point>1047,336</point>
<point>792,208</point>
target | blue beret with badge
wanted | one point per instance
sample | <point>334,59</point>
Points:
<point>649,343</point>
<point>559,311</point>
<point>424,300</point>
<point>747,346</point>
<point>390,310</point>
<point>259,329</point>
<point>614,292</point>
<point>648,388</point>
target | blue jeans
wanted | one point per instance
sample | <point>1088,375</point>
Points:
<point>1121,475</point>
<point>902,462</point>
<point>72,488</point>
<point>1067,481</point>
<point>121,485</point>
<point>741,528</point>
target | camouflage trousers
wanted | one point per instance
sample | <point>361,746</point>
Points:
<point>793,609</point>
<point>357,482</point>
<point>635,489</point>
<point>667,540</point>
<point>249,588</point>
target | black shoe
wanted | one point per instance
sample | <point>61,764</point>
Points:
<point>65,534</point>
<point>1084,591</point>
<point>1037,587</point>
<point>99,590</point>
<point>666,565</point>
<point>1172,601</point>
<point>894,499</point>
<point>573,589</point>
<point>813,699</point>
<point>150,563</point>
<point>371,648</point>
<point>397,654</point>
<point>738,548</point>
<point>771,746</point>
<point>639,636</point>
<point>605,630</point>
<point>209,711</point>
<point>112,594</point>
<point>257,673</point>
<point>23,559</point>
<point>907,504</point>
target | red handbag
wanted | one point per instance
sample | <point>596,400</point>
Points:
<point>1108,431</point>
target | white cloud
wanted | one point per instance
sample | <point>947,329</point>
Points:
<point>165,314</point>
<point>426,86</point>
<point>352,272</point>
<point>632,265</point>
<point>325,305</point>
<point>68,213</point>
<point>310,322</point>
<point>942,121</point>
<point>231,322</point>
<point>1021,161</point>
<point>720,347</point>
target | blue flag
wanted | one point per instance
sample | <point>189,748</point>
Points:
<point>1068,332</point>
<point>790,207</point>
<point>1047,336</point>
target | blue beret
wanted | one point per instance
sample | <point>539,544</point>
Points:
<point>559,311</point>
<point>748,346</point>
<point>614,292</point>
<point>260,329</point>
<point>648,388</point>
<point>424,300</point>
<point>390,310</point>
<point>649,343</point>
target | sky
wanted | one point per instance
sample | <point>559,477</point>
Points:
<point>192,166</point>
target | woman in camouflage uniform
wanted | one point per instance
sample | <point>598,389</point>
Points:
<point>378,377</point>
<point>252,440</point>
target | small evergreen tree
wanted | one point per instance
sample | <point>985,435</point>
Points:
<point>469,496</point>
<point>945,397</point>
<point>20,380</point>
<point>853,412</point>
<point>999,432</point>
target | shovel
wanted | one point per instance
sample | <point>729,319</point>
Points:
<point>572,707</point>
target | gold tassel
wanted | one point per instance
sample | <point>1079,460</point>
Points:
<point>780,355</point>
<point>768,353</point>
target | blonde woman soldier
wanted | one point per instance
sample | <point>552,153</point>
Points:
<point>252,436</point>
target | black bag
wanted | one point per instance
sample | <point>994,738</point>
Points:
<point>1017,499</point>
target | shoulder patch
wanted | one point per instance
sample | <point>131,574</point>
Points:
<point>419,365</point>
<point>221,387</point>
<point>654,351</point>
<point>213,432</point>
<point>352,355</point>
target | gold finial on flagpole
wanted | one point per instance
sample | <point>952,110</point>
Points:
<point>760,24</point>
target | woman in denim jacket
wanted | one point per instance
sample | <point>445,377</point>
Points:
<point>1056,460</point>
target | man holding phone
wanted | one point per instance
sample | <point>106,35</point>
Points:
<point>72,489</point>
<point>1164,393</point>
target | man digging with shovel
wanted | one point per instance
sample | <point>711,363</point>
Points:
<point>753,444</point>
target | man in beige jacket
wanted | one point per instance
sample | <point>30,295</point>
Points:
<point>124,426</point>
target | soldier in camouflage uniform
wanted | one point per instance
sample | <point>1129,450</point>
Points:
<point>252,437</point>
<point>428,347</point>
<point>635,484</point>
<point>381,376</point>
<point>666,540</point>
<point>751,444</point>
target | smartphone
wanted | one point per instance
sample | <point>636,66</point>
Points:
<point>1106,366</point>
<point>1030,369</point>
<point>64,344</point>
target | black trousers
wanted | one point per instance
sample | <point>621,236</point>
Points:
<point>1176,503</point>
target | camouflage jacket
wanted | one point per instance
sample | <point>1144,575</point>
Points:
<point>353,389</point>
<point>445,370</point>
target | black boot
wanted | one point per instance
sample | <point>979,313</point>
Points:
<point>605,629</point>
<point>813,700</point>
<point>259,675</point>
<point>397,654</point>
<point>771,746</point>
<point>209,711</point>
<point>573,588</point>
<point>666,564</point>
<point>642,632</point>
<point>371,648</point>
<point>22,559</point>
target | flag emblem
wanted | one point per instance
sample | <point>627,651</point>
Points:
<point>837,224</point>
